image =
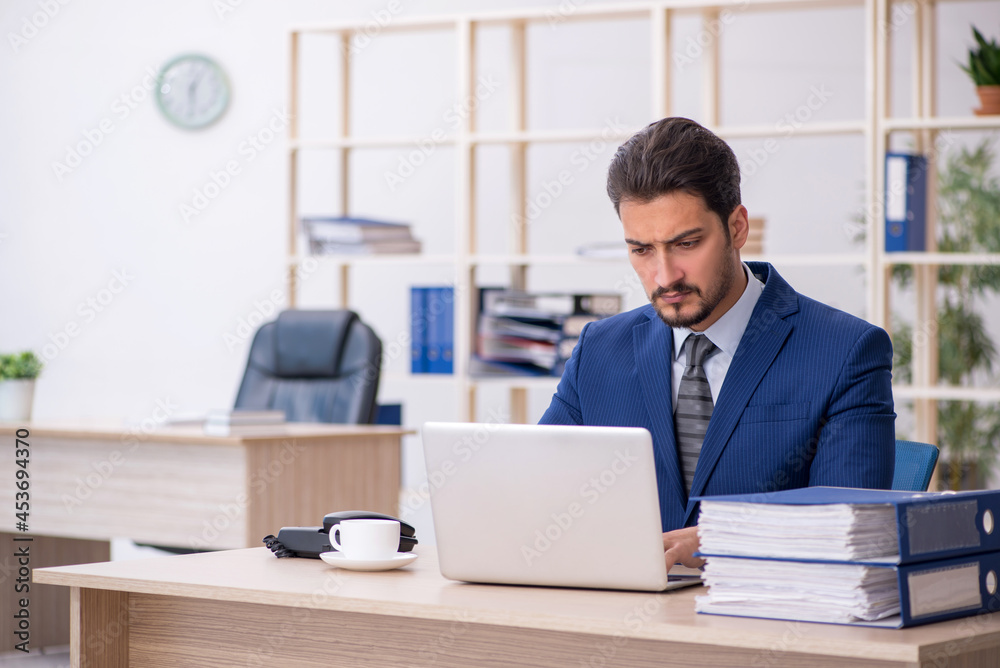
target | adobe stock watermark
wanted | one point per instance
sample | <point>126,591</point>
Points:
<point>445,640</point>
<point>777,652</point>
<point>233,512</point>
<point>380,20</point>
<point>452,120</point>
<point>560,14</point>
<point>464,450</point>
<point>248,150</point>
<point>590,492</point>
<point>581,160</point>
<point>121,109</point>
<point>246,326</point>
<point>264,654</point>
<point>694,47</point>
<point>88,310</point>
<point>900,14</point>
<point>101,471</point>
<point>98,641</point>
<point>35,23</point>
<point>223,8</point>
<point>786,126</point>
<point>605,652</point>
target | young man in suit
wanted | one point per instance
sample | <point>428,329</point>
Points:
<point>745,385</point>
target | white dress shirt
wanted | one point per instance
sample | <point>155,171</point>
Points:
<point>725,333</point>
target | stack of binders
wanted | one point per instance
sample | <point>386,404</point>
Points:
<point>851,556</point>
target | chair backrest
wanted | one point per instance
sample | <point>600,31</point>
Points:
<point>317,366</point>
<point>914,465</point>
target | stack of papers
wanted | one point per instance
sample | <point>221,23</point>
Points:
<point>832,532</point>
<point>225,423</point>
<point>812,592</point>
<point>845,555</point>
<point>774,560</point>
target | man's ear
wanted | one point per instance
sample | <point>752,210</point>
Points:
<point>739,226</point>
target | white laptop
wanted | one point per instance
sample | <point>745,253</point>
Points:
<point>547,505</point>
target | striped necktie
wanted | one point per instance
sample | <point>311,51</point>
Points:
<point>694,406</point>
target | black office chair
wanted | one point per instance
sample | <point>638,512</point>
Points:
<point>317,366</point>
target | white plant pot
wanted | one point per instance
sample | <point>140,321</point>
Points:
<point>16,397</point>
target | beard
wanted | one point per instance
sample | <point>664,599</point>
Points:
<point>707,301</point>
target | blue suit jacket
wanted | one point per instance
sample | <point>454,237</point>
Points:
<point>807,399</point>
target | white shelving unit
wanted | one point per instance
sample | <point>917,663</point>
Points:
<point>875,129</point>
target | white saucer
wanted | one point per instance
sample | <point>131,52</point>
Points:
<point>340,561</point>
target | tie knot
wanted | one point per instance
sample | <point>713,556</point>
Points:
<point>699,347</point>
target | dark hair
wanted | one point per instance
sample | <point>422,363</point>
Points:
<point>676,154</point>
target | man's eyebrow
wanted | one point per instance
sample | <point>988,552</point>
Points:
<point>671,240</point>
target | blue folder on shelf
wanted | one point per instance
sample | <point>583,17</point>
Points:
<point>418,331</point>
<point>931,525</point>
<point>905,202</point>
<point>432,329</point>
<point>440,309</point>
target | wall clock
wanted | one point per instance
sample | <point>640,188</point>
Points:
<point>192,91</point>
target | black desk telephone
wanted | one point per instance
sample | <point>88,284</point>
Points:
<point>311,541</point>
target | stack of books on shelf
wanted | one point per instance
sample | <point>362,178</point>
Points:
<point>358,236</point>
<point>533,334</point>
<point>850,556</point>
<point>432,329</point>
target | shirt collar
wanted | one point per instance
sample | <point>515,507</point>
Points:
<point>727,331</point>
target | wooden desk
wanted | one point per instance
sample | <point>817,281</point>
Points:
<point>178,487</point>
<point>247,608</point>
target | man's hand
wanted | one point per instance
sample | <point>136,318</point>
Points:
<point>680,545</point>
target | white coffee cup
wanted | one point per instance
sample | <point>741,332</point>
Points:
<point>367,540</point>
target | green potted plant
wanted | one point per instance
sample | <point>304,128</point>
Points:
<point>984,69</point>
<point>17,385</point>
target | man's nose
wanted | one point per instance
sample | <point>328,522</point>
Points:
<point>667,271</point>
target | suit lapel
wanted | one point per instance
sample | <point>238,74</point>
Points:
<point>652,344</point>
<point>764,336</point>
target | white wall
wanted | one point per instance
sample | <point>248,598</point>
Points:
<point>161,338</point>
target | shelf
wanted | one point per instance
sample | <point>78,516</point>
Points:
<point>423,378</point>
<point>368,142</point>
<point>519,382</point>
<point>810,259</point>
<point>551,136</point>
<point>512,381</point>
<point>655,19</point>
<point>796,259</point>
<point>941,258</point>
<point>943,123</point>
<point>608,133</point>
<point>376,259</point>
<point>574,12</point>
<point>946,393</point>
<point>804,130</point>
<point>528,260</point>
